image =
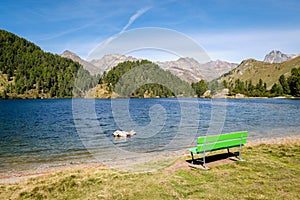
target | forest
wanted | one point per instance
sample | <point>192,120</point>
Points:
<point>144,79</point>
<point>32,73</point>
<point>283,87</point>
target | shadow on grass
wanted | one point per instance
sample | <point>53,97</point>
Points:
<point>214,160</point>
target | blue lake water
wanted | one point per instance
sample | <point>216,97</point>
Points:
<point>37,133</point>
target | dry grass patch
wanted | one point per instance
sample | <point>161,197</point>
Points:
<point>271,171</point>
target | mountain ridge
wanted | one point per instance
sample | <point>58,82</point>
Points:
<point>86,65</point>
<point>107,62</point>
<point>187,69</point>
<point>253,70</point>
<point>276,56</point>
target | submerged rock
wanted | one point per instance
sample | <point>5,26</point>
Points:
<point>120,133</point>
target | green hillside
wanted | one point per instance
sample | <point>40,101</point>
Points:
<point>143,79</point>
<point>260,79</point>
<point>253,70</point>
<point>26,71</point>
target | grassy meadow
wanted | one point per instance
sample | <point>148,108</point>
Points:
<point>269,72</point>
<point>271,171</point>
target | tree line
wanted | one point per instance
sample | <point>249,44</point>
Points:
<point>144,79</point>
<point>34,73</point>
<point>284,86</point>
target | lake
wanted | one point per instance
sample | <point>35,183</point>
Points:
<point>42,133</point>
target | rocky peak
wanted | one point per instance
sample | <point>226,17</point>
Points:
<point>109,61</point>
<point>187,69</point>
<point>192,71</point>
<point>71,55</point>
<point>86,65</point>
<point>214,69</point>
<point>276,56</point>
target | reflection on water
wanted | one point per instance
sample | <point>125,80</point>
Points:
<point>38,132</point>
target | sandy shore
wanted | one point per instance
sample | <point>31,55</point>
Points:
<point>14,177</point>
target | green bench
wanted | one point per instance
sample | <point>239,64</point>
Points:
<point>217,142</point>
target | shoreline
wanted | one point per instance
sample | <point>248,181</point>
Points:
<point>23,175</point>
<point>179,97</point>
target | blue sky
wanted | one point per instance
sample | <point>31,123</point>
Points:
<point>229,30</point>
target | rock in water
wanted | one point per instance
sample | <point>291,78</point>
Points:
<point>119,133</point>
<point>131,133</point>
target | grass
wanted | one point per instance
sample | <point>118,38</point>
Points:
<point>270,172</point>
<point>254,70</point>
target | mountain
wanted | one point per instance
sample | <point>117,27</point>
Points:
<point>190,70</point>
<point>86,65</point>
<point>123,81</point>
<point>253,70</point>
<point>215,69</point>
<point>107,62</point>
<point>187,69</point>
<point>26,71</point>
<point>278,57</point>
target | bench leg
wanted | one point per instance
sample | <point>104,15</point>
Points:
<point>204,162</point>
<point>192,157</point>
<point>240,154</point>
<point>240,157</point>
<point>203,165</point>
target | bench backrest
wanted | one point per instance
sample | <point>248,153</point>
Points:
<point>214,142</point>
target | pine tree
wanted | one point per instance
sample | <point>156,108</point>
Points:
<point>294,82</point>
<point>284,84</point>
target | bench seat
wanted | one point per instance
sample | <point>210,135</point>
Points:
<point>218,142</point>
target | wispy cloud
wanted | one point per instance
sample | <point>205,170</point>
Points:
<point>137,14</point>
<point>134,17</point>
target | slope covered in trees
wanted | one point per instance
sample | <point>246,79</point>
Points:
<point>260,79</point>
<point>253,70</point>
<point>144,79</point>
<point>26,71</point>
<point>283,86</point>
